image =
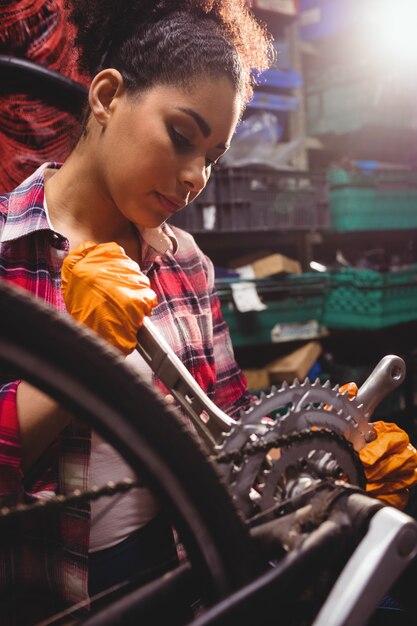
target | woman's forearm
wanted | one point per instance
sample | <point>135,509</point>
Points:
<point>41,420</point>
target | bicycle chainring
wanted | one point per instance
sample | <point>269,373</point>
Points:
<point>316,430</point>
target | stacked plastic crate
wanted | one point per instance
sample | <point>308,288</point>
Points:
<point>366,299</point>
<point>261,198</point>
<point>257,196</point>
<point>364,199</point>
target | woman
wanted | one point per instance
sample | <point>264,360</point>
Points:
<point>170,82</point>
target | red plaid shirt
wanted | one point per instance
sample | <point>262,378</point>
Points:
<point>54,561</point>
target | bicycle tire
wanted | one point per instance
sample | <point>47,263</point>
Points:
<point>90,379</point>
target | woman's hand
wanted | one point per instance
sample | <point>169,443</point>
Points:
<point>390,464</point>
<point>389,461</point>
<point>104,289</point>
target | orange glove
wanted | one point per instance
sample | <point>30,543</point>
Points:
<point>389,461</point>
<point>104,289</point>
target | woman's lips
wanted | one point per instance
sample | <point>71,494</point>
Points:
<point>172,206</point>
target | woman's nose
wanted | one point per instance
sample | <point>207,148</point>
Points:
<point>195,175</point>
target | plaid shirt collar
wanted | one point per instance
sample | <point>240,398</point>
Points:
<point>27,214</point>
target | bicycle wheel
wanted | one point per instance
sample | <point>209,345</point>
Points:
<point>90,379</point>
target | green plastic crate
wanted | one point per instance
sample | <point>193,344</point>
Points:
<point>373,200</point>
<point>365,299</point>
<point>384,179</point>
<point>290,299</point>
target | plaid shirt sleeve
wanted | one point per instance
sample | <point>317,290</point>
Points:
<point>190,318</point>
<point>231,393</point>
<point>21,213</point>
<point>10,472</point>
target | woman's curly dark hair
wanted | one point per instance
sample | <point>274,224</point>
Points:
<point>171,42</point>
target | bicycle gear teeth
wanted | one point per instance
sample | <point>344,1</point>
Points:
<point>303,412</point>
<point>293,402</point>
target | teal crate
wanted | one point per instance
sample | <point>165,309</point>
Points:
<point>380,179</point>
<point>365,299</point>
<point>372,200</point>
<point>353,209</point>
<point>290,299</point>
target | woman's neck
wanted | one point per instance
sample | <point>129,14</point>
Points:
<point>80,210</point>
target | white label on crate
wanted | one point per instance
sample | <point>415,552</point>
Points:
<point>209,217</point>
<point>246,271</point>
<point>246,297</point>
<point>289,332</point>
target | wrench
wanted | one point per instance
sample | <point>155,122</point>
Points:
<point>209,420</point>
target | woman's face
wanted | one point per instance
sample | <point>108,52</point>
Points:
<point>157,149</point>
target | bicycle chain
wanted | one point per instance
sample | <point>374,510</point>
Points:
<point>76,497</point>
<point>281,441</point>
<point>337,421</point>
<point>235,456</point>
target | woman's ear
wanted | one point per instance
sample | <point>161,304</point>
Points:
<point>105,88</point>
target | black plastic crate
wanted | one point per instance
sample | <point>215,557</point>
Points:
<point>201,215</point>
<point>264,199</point>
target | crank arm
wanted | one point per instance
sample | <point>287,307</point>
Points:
<point>387,548</point>
<point>210,421</point>
<point>386,376</point>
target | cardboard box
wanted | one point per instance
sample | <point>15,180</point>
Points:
<point>269,265</point>
<point>297,364</point>
<point>257,378</point>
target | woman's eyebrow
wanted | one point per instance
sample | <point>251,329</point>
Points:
<point>201,123</point>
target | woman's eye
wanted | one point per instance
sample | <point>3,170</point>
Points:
<point>180,141</point>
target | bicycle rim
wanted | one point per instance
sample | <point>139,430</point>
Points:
<point>90,379</point>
